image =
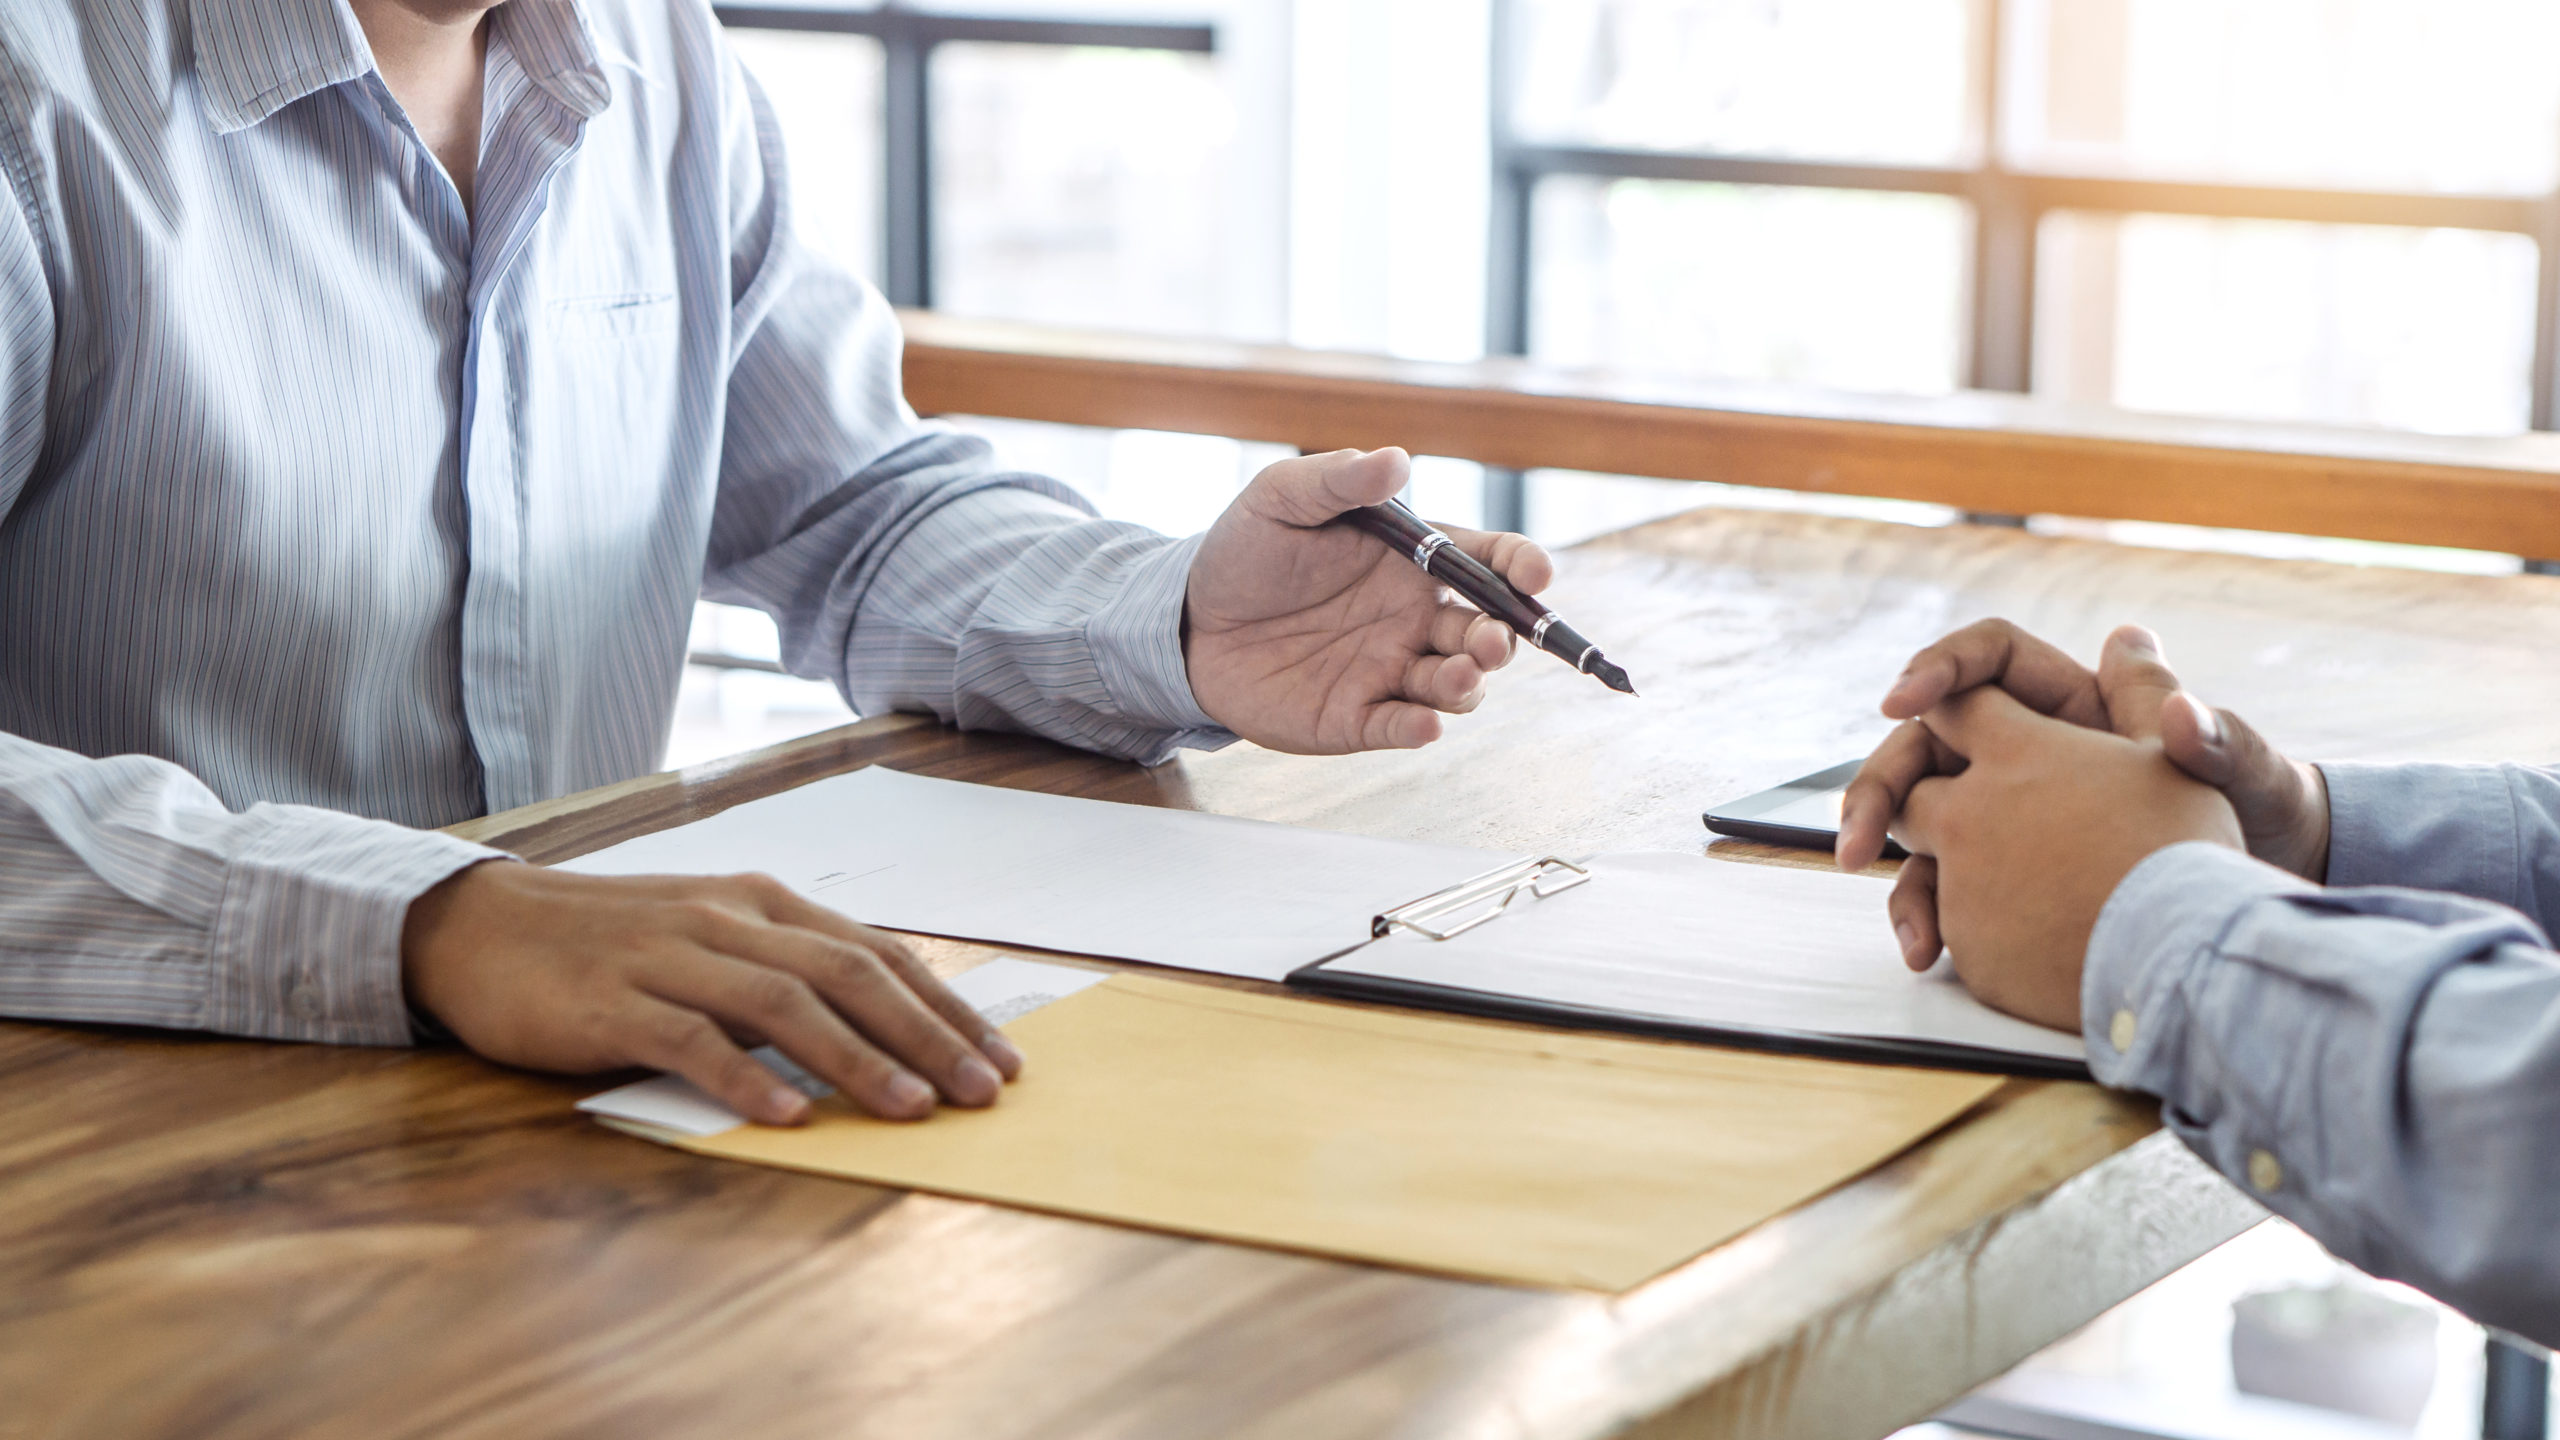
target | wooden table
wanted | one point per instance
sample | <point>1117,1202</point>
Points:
<point>211,1238</point>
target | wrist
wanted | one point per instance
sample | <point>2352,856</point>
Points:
<point>2310,859</point>
<point>430,916</point>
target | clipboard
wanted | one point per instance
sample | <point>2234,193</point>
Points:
<point>1601,943</point>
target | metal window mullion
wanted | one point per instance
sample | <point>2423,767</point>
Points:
<point>2515,1399</point>
<point>934,27</point>
<point>906,166</point>
<point>1504,493</point>
<point>2004,287</point>
<point>2001,313</point>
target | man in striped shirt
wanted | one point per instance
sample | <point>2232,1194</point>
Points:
<point>381,381</point>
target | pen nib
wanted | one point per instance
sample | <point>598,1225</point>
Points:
<point>1611,676</point>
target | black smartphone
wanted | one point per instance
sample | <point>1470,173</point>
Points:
<point>1804,811</point>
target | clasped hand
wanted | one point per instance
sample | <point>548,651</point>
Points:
<point>2027,787</point>
<point>1298,634</point>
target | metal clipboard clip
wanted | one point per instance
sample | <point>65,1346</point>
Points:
<point>1488,895</point>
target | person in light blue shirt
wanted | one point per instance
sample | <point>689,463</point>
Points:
<point>381,383</point>
<point>2339,979</point>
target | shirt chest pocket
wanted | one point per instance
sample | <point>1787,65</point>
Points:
<point>622,316</point>
<point>602,399</point>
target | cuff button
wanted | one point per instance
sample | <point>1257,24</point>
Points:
<point>2121,1030</point>
<point>303,1002</point>
<point>2266,1174</point>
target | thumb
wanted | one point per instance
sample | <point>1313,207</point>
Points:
<point>2282,807</point>
<point>1312,489</point>
<point>2134,682</point>
<point>2195,740</point>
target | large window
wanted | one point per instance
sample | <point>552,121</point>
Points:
<point>2326,210</point>
<point>2338,211</point>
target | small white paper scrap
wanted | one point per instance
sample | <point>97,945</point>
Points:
<point>1002,990</point>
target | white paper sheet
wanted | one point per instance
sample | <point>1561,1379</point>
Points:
<point>1711,941</point>
<point>1001,990</point>
<point>1087,877</point>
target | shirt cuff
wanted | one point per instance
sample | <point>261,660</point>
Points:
<point>306,944</point>
<point>2159,930</point>
<point>2423,827</point>
<point>1137,647</point>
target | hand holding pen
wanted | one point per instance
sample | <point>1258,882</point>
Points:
<point>1301,633</point>
<point>1436,553</point>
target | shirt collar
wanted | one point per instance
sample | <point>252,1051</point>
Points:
<point>551,42</point>
<point>255,57</point>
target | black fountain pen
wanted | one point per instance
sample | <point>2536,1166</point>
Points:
<point>1412,536</point>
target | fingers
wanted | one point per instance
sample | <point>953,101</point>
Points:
<point>1398,725</point>
<point>1909,755</point>
<point>2134,682</point>
<point>1922,816</point>
<point>790,908</point>
<point>1913,908</point>
<point>1996,652</point>
<point>860,990</point>
<point>788,1013</point>
<point>1311,490</point>
<point>1979,723</point>
<point>687,1043</point>
<point>1452,684</point>
<point>1515,558</point>
<point>1464,630</point>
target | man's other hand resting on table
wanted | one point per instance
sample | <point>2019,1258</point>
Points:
<point>2376,1057</point>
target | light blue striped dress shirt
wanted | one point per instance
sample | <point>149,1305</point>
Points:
<point>328,510</point>
<point>2378,1061</point>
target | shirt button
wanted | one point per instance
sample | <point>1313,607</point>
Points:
<point>303,1002</point>
<point>2121,1030</point>
<point>2265,1172</point>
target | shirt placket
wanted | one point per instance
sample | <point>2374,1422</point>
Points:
<point>527,146</point>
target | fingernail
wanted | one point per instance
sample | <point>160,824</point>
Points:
<point>2208,724</point>
<point>1005,1053</point>
<point>975,1082</point>
<point>1909,937</point>
<point>786,1106</point>
<point>908,1095</point>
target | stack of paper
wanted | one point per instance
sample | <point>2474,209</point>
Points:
<point>1447,1145</point>
<point>1086,877</point>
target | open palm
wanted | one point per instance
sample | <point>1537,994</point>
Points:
<point>1312,637</point>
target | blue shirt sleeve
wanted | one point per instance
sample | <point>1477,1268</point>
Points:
<point>2379,1065</point>
<point>899,561</point>
<point>2491,832</point>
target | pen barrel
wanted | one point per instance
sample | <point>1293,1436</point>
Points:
<point>1404,531</point>
<point>1565,643</point>
<point>1475,582</point>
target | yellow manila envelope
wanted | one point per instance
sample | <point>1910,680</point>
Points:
<point>1491,1151</point>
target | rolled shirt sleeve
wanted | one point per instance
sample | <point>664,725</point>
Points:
<point>2379,1065</point>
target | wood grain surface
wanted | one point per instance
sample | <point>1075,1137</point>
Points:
<point>1975,450</point>
<point>214,1238</point>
